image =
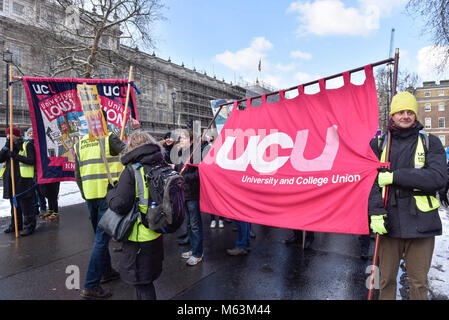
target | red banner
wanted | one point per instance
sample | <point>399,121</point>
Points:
<point>301,163</point>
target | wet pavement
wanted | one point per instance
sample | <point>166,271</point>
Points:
<point>40,266</point>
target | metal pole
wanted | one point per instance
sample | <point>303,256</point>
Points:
<point>174,114</point>
<point>375,64</point>
<point>7,95</point>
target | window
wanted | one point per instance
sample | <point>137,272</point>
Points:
<point>428,123</point>
<point>427,94</point>
<point>441,106</point>
<point>441,93</point>
<point>18,9</point>
<point>1,5</point>
<point>103,73</point>
<point>443,140</point>
<point>17,96</point>
<point>16,55</point>
<point>427,107</point>
<point>441,123</point>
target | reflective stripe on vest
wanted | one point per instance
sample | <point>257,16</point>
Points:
<point>140,233</point>
<point>94,176</point>
<point>26,170</point>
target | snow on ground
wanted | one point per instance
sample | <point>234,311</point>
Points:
<point>69,194</point>
<point>439,270</point>
<point>438,275</point>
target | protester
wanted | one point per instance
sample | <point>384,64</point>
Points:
<point>298,237</point>
<point>143,252</point>
<point>91,175</point>
<point>167,144</point>
<point>243,239</point>
<point>51,192</point>
<point>24,157</point>
<point>409,223</point>
<point>192,196</point>
<point>40,204</point>
<point>443,192</point>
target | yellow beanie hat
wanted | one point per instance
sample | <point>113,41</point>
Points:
<point>404,101</point>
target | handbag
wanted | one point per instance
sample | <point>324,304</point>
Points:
<point>119,226</point>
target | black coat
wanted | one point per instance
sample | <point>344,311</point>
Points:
<point>402,222</point>
<point>190,174</point>
<point>141,262</point>
<point>21,184</point>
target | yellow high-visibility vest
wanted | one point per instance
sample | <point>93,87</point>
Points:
<point>26,170</point>
<point>140,233</point>
<point>93,171</point>
<point>425,203</point>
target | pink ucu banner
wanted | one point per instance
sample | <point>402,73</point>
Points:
<point>301,163</point>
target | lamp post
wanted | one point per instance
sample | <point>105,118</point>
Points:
<point>7,57</point>
<point>173,96</point>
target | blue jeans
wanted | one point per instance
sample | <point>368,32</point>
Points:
<point>100,259</point>
<point>194,227</point>
<point>243,235</point>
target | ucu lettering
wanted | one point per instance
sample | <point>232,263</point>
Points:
<point>256,148</point>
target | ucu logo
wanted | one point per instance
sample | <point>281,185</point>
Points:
<point>256,148</point>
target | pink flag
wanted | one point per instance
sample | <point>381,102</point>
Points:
<point>301,163</point>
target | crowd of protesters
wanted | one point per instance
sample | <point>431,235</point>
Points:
<point>142,253</point>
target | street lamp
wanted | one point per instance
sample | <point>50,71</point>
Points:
<point>7,57</point>
<point>173,96</point>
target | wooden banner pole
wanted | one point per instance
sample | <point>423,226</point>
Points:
<point>385,189</point>
<point>122,133</point>
<point>11,147</point>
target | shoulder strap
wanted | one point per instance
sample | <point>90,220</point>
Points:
<point>425,139</point>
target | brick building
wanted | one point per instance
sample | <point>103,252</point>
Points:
<point>433,108</point>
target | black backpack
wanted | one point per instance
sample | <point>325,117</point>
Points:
<point>166,188</point>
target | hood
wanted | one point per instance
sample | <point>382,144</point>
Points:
<point>149,153</point>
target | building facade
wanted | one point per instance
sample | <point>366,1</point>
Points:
<point>171,94</point>
<point>433,108</point>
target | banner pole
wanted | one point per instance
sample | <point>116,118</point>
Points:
<point>375,64</point>
<point>385,189</point>
<point>202,137</point>
<point>122,133</point>
<point>11,147</point>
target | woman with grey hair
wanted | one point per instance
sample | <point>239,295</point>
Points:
<point>143,252</point>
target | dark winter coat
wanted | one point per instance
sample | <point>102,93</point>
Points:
<point>141,262</point>
<point>21,184</point>
<point>403,221</point>
<point>191,176</point>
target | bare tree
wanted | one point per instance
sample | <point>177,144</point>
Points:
<point>436,17</point>
<point>406,82</point>
<point>90,31</point>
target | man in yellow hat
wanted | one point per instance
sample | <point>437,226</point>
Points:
<point>409,223</point>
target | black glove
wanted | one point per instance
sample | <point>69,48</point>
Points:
<point>443,199</point>
<point>11,154</point>
<point>112,186</point>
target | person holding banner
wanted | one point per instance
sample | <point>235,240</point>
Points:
<point>97,165</point>
<point>192,196</point>
<point>409,221</point>
<point>40,203</point>
<point>24,157</point>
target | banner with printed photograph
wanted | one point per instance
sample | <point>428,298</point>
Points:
<point>63,110</point>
